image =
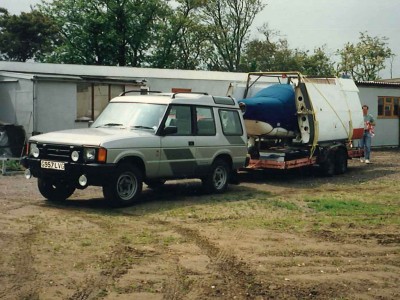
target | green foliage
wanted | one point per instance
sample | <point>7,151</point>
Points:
<point>266,55</point>
<point>181,34</point>
<point>227,24</point>
<point>196,34</point>
<point>105,32</point>
<point>364,60</point>
<point>27,36</point>
<point>13,165</point>
<point>181,41</point>
<point>318,64</point>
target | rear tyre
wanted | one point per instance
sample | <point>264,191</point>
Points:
<point>125,186</point>
<point>55,191</point>
<point>218,177</point>
<point>340,162</point>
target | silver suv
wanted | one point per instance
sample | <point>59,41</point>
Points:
<point>142,138</point>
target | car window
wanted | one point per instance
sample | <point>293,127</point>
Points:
<point>205,121</point>
<point>230,122</point>
<point>181,117</point>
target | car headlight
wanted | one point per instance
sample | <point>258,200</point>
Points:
<point>89,154</point>
<point>75,155</point>
<point>95,154</point>
<point>34,150</point>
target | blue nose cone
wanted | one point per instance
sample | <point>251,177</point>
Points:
<point>274,105</point>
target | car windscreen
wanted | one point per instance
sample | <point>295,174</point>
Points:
<point>131,115</point>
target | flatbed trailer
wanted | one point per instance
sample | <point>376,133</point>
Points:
<point>281,161</point>
<point>294,121</point>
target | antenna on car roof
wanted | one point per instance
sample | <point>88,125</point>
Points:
<point>199,93</point>
<point>142,92</point>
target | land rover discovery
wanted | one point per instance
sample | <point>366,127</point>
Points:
<point>142,139</point>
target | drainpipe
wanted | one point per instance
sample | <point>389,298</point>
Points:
<point>92,103</point>
<point>34,105</point>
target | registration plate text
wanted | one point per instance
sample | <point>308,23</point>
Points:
<point>55,165</point>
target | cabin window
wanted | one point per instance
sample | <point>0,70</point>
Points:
<point>92,98</point>
<point>388,107</point>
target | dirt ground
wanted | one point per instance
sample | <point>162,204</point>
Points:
<point>178,243</point>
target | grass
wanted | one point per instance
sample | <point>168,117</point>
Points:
<point>335,207</point>
<point>252,209</point>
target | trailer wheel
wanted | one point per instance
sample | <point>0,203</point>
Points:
<point>328,165</point>
<point>55,191</point>
<point>125,186</point>
<point>340,162</point>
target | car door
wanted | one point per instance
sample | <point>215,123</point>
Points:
<point>178,149</point>
<point>207,141</point>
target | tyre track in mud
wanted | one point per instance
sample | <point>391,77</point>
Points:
<point>25,280</point>
<point>25,277</point>
<point>115,265</point>
<point>235,278</point>
<point>119,260</point>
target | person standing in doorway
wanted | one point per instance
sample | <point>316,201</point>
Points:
<point>369,124</point>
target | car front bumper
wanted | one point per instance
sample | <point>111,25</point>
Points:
<point>96,173</point>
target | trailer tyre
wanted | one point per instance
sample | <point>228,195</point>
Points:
<point>328,165</point>
<point>125,186</point>
<point>55,191</point>
<point>340,162</point>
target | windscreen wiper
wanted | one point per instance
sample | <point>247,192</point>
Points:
<point>110,125</point>
<point>143,127</point>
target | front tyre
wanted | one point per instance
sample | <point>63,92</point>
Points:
<point>125,187</point>
<point>218,177</point>
<point>55,191</point>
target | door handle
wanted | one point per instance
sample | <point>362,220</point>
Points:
<point>191,143</point>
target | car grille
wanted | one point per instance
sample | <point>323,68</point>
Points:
<point>58,152</point>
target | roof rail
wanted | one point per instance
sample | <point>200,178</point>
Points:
<point>142,92</point>
<point>198,93</point>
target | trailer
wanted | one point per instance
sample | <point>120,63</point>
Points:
<point>295,121</point>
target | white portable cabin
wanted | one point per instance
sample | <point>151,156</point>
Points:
<point>49,97</point>
<point>44,97</point>
<point>383,100</point>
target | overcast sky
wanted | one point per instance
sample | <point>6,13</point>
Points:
<point>308,24</point>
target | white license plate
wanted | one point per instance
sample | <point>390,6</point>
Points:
<point>55,165</point>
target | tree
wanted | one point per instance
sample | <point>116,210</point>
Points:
<point>318,64</point>
<point>228,23</point>
<point>27,36</point>
<point>181,41</point>
<point>364,60</point>
<point>105,32</point>
<point>268,55</point>
<point>197,34</point>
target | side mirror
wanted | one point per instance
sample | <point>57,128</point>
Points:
<point>90,123</point>
<point>169,130</point>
